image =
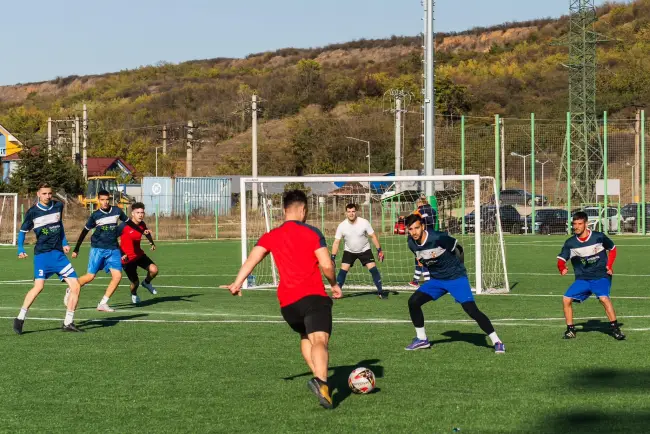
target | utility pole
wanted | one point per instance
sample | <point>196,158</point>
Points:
<point>429,97</point>
<point>84,161</point>
<point>49,139</point>
<point>398,137</point>
<point>77,139</point>
<point>73,135</point>
<point>188,161</point>
<point>164,140</point>
<point>254,146</point>
<point>636,188</point>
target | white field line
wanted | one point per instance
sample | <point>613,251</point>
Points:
<point>260,321</point>
<point>623,297</point>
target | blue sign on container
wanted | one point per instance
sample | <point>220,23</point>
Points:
<point>202,196</point>
<point>157,195</point>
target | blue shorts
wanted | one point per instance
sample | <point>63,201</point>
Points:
<point>580,290</point>
<point>106,259</point>
<point>52,262</point>
<point>457,288</point>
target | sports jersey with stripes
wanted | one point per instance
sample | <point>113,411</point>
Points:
<point>588,257</point>
<point>435,252</point>
<point>105,225</point>
<point>47,226</point>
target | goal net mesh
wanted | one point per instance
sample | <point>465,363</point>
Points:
<point>385,204</point>
<point>8,216</point>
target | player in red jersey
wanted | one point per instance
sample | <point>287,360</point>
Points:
<point>133,256</point>
<point>298,249</point>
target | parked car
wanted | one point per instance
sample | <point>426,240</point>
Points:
<point>629,216</point>
<point>549,221</point>
<point>519,197</point>
<point>511,220</point>
<point>609,219</point>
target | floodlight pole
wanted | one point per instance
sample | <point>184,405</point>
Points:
<point>429,96</point>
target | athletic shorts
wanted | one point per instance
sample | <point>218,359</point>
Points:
<point>581,290</point>
<point>131,268</point>
<point>457,288</point>
<point>104,259</point>
<point>52,262</point>
<point>310,314</point>
<point>364,257</point>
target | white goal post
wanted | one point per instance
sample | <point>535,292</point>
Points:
<point>384,201</point>
<point>8,218</point>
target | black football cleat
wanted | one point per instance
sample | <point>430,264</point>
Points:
<point>383,295</point>
<point>570,334</point>
<point>322,391</point>
<point>71,328</point>
<point>18,325</point>
<point>618,334</point>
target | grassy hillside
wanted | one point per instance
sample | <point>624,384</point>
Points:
<point>313,98</point>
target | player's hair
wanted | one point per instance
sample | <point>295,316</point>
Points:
<point>412,219</point>
<point>44,185</point>
<point>351,206</point>
<point>103,193</point>
<point>580,215</point>
<point>293,197</point>
<point>137,205</point>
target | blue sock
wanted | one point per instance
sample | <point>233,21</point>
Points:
<point>340,279</point>
<point>376,277</point>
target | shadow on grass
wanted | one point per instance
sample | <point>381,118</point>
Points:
<point>155,300</point>
<point>107,322</point>
<point>477,339</point>
<point>595,325</point>
<point>371,293</point>
<point>602,381</point>
<point>338,379</point>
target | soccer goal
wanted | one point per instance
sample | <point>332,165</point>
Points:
<point>8,218</point>
<point>384,201</point>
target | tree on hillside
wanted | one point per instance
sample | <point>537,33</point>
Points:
<point>34,169</point>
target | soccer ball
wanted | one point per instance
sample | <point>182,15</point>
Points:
<point>361,380</point>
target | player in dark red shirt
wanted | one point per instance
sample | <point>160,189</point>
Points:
<point>298,249</point>
<point>133,256</point>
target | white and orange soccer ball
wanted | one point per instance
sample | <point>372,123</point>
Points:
<point>361,380</point>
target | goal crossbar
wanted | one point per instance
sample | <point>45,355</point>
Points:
<point>476,187</point>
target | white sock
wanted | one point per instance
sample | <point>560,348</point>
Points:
<point>493,336</point>
<point>420,333</point>
<point>104,300</point>
<point>22,314</point>
<point>69,317</point>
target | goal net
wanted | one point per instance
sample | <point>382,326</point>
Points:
<point>384,201</point>
<point>8,218</point>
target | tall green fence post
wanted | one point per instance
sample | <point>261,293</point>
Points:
<point>216,221</point>
<point>383,219</point>
<point>568,170</point>
<point>22,212</point>
<point>532,171</point>
<point>157,212</point>
<point>643,172</point>
<point>322,214</point>
<point>605,171</point>
<point>462,172</point>
<point>497,155</point>
<point>187,221</point>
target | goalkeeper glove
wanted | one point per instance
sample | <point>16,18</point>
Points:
<point>380,254</point>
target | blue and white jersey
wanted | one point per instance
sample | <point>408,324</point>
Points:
<point>47,225</point>
<point>105,225</point>
<point>436,253</point>
<point>589,257</point>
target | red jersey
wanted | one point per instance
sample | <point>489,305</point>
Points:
<point>293,245</point>
<point>130,237</point>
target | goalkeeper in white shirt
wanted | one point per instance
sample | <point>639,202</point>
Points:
<point>356,231</point>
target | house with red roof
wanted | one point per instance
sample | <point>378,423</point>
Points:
<point>97,166</point>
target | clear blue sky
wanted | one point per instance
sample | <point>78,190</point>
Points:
<point>41,41</point>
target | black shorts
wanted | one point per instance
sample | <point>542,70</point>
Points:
<point>309,314</point>
<point>364,257</point>
<point>131,268</point>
